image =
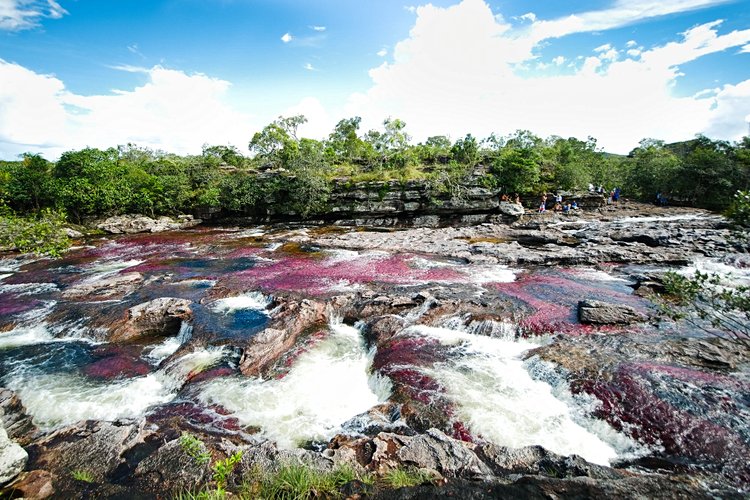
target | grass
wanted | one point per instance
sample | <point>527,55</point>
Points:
<point>82,475</point>
<point>405,477</point>
<point>300,481</point>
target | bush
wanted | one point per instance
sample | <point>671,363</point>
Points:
<point>40,234</point>
<point>739,211</point>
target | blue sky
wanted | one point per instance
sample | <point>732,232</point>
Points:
<point>175,74</point>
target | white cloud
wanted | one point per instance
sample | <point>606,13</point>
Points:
<point>382,52</point>
<point>559,60</point>
<point>287,37</point>
<point>475,87</point>
<point>631,43</point>
<point>603,48</point>
<point>745,49</point>
<point>310,67</point>
<point>172,110</point>
<point>319,120</point>
<point>25,14</point>
<point>410,8</point>
<point>634,52</point>
<point>318,28</point>
<point>529,16</point>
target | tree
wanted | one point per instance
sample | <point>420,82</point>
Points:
<point>277,143</point>
<point>344,143</point>
<point>466,151</point>
<point>654,169</point>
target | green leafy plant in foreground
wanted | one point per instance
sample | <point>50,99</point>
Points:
<point>82,475</point>
<point>223,468</point>
<point>195,448</point>
<point>707,302</point>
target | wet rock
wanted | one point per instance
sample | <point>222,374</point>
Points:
<point>34,484</point>
<point>383,328</point>
<point>603,313</point>
<point>114,287</point>
<point>134,223</point>
<point>15,420</point>
<point>95,447</point>
<point>162,316</point>
<point>13,458</point>
<point>290,320</point>
<point>539,461</point>
<point>171,468</point>
<point>385,417</point>
<point>435,450</point>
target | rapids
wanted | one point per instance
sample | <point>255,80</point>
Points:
<point>465,347</point>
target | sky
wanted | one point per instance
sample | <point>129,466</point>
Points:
<point>177,74</point>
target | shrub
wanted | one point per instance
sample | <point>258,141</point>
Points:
<point>40,234</point>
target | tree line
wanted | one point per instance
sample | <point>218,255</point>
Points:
<point>298,174</point>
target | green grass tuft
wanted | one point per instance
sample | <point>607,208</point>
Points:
<point>403,477</point>
<point>82,475</point>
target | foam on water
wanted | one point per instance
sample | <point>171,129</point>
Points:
<point>251,300</point>
<point>169,346</point>
<point>497,398</point>
<point>108,268</point>
<point>25,335</point>
<point>327,385</point>
<point>28,288</point>
<point>665,218</point>
<point>732,275</point>
<point>55,399</point>
<point>597,275</point>
<point>492,274</point>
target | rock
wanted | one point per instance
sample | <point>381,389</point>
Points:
<point>15,420</point>
<point>134,223</point>
<point>290,320</point>
<point>539,461</point>
<point>72,233</point>
<point>95,447</point>
<point>435,450</point>
<point>34,484</point>
<point>113,287</point>
<point>171,468</point>
<point>603,313</point>
<point>162,316</point>
<point>512,209</point>
<point>13,458</point>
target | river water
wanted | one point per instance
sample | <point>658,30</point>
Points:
<point>55,352</point>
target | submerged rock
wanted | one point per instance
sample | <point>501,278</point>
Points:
<point>162,316</point>
<point>134,223</point>
<point>603,313</point>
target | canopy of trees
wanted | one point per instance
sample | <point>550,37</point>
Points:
<point>298,174</point>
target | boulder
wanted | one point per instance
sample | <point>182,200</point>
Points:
<point>135,223</point>
<point>290,320</point>
<point>109,288</point>
<point>171,468</point>
<point>14,419</point>
<point>435,450</point>
<point>34,484</point>
<point>162,316</point>
<point>604,313</point>
<point>13,458</point>
<point>512,209</point>
<point>98,448</point>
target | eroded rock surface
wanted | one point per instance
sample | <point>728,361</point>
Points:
<point>162,316</point>
<point>134,223</point>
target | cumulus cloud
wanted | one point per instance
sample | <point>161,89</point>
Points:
<point>310,67</point>
<point>172,110</point>
<point>287,37</point>
<point>18,15</point>
<point>318,28</point>
<point>382,52</point>
<point>469,83</point>
<point>559,60</point>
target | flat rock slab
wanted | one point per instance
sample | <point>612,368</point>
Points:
<point>594,312</point>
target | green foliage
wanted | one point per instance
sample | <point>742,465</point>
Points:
<point>82,475</point>
<point>709,303</point>
<point>295,481</point>
<point>406,477</point>
<point>739,211</point>
<point>43,233</point>
<point>195,448</point>
<point>223,468</point>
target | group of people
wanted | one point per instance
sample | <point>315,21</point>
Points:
<point>558,206</point>
<point>516,198</point>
